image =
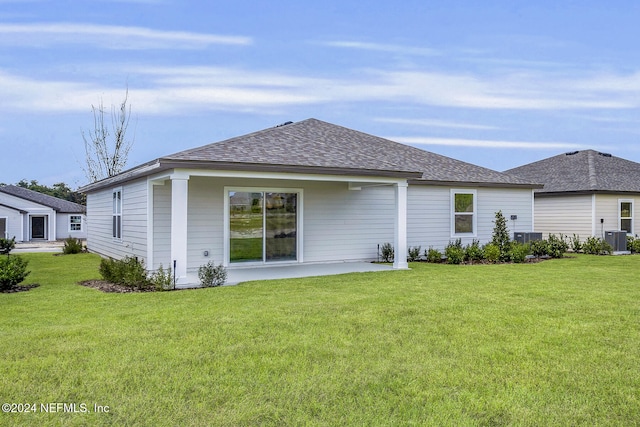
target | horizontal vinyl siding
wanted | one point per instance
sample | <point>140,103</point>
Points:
<point>607,208</point>
<point>62,227</point>
<point>567,215</point>
<point>342,224</point>
<point>14,223</point>
<point>134,222</point>
<point>205,221</point>
<point>429,214</point>
<point>510,202</point>
<point>162,225</point>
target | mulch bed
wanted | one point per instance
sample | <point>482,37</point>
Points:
<point>104,286</point>
<point>19,288</point>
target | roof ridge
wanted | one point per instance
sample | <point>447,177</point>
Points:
<point>593,174</point>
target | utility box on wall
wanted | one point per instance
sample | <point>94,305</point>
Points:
<point>526,237</point>
<point>617,240</point>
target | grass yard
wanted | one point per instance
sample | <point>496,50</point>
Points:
<point>554,343</point>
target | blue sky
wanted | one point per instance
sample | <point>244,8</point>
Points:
<point>495,83</point>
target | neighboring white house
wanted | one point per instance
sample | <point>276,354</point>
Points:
<point>305,192</point>
<point>28,215</point>
<point>586,193</point>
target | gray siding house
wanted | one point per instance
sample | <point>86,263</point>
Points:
<point>585,193</point>
<point>28,215</point>
<point>305,192</point>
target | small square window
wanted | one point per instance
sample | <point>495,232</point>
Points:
<point>75,223</point>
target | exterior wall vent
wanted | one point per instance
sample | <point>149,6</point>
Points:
<point>605,154</point>
<point>571,153</point>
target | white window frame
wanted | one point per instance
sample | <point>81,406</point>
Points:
<point>227,224</point>
<point>116,212</point>
<point>71,223</point>
<point>620,202</point>
<point>474,214</point>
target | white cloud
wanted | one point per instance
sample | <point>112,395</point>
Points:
<point>436,123</point>
<point>110,36</point>
<point>481,143</point>
<point>383,47</point>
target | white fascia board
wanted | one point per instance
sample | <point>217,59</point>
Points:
<point>285,176</point>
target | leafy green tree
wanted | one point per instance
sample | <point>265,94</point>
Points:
<point>500,237</point>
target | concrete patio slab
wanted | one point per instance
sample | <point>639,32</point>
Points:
<point>236,275</point>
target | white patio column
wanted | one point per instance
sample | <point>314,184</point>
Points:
<point>179,197</point>
<point>400,235</point>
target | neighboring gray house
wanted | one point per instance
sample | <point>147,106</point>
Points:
<point>305,192</point>
<point>585,193</point>
<point>28,215</point>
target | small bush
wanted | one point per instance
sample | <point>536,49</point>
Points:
<point>13,270</point>
<point>454,252</point>
<point>473,252</point>
<point>596,246</point>
<point>433,255</point>
<point>72,246</point>
<point>519,252</point>
<point>539,248</point>
<point>128,271</point>
<point>386,251</point>
<point>414,253</point>
<point>635,246</point>
<point>162,279</point>
<point>576,245</point>
<point>211,275</point>
<point>491,253</point>
<point>557,246</point>
<point>7,245</point>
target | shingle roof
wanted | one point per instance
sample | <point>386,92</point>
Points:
<point>582,171</point>
<point>317,144</point>
<point>59,205</point>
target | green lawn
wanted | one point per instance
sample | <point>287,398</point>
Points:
<point>555,343</point>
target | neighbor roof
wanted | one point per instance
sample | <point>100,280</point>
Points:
<point>583,171</point>
<point>58,205</point>
<point>315,146</point>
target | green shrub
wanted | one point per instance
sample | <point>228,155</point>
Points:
<point>519,252</point>
<point>13,270</point>
<point>454,252</point>
<point>7,245</point>
<point>473,252</point>
<point>72,246</point>
<point>433,255</point>
<point>500,237</point>
<point>128,271</point>
<point>557,246</point>
<point>491,253</point>
<point>635,247</point>
<point>386,251</point>
<point>596,246</point>
<point>414,253</point>
<point>539,248</point>
<point>576,245</point>
<point>162,279</point>
<point>212,275</point>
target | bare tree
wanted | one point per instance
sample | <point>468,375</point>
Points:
<point>107,149</point>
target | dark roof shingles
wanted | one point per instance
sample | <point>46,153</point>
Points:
<point>582,171</point>
<point>59,205</point>
<point>314,143</point>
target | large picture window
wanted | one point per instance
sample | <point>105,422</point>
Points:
<point>463,208</point>
<point>626,216</point>
<point>263,226</point>
<point>117,214</point>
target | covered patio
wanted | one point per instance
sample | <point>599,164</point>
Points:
<point>273,272</point>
